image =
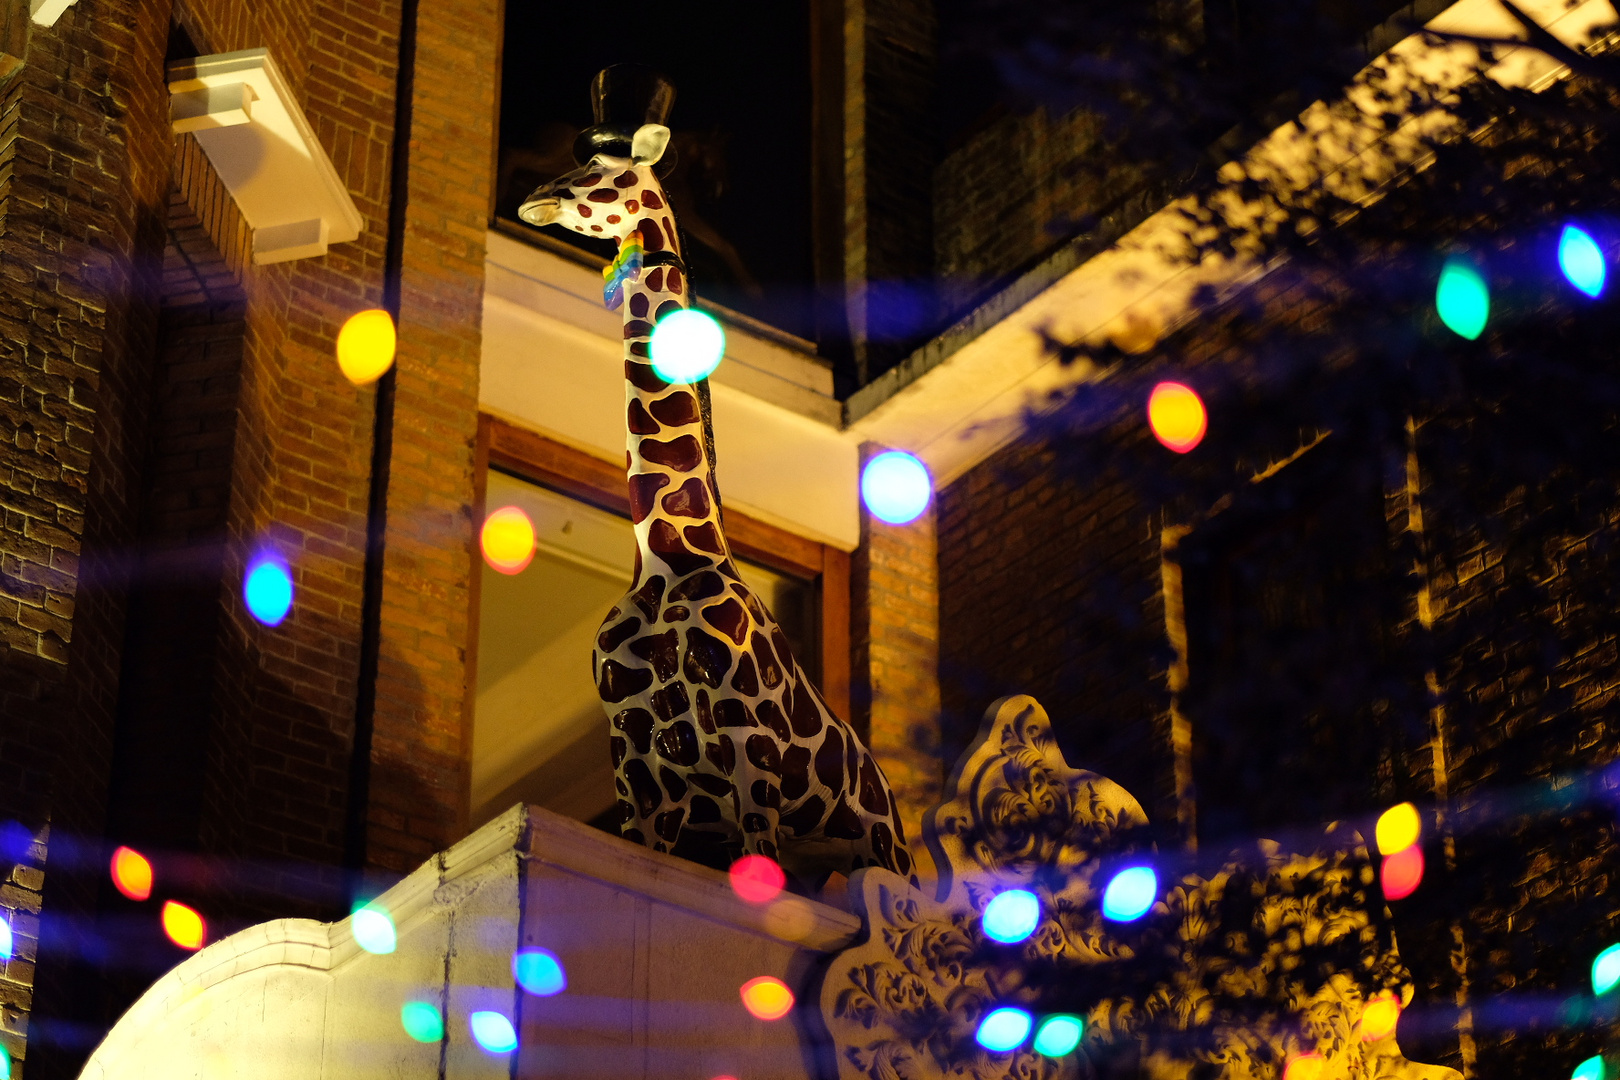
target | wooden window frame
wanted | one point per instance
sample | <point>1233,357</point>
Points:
<point>599,483</point>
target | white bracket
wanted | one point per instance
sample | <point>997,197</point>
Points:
<point>242,114</point>
<point>46,12</point>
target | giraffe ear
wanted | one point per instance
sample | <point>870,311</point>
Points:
<point>649,144</point>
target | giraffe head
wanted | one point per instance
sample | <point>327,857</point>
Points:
<point>610,195</point>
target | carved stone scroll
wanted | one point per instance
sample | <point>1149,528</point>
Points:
<point>1231,975</point>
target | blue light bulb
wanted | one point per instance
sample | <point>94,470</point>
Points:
<point>686,346</point>
<point>1011,916</point>
<point>1003,1030</point>
<point>1130,894</point>
<point>539,972</point>
<point>373,930</point>
<point>493,1032</point>
<point>268,590</point>
<point>1581,260</point>
<point>896,487</point>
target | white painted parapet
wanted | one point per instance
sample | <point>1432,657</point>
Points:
<point>655,950</point>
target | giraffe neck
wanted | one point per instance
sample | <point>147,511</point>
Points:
<point>674,502</point>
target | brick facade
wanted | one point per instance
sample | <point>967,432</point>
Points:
<point>174,408</point>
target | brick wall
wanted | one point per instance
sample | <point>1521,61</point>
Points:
<point>894,694</point>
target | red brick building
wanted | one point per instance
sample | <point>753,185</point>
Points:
<point>169,306</point>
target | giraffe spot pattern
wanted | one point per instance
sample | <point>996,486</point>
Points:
<point>754,823</point>
<point>676,613</point>
<point>662,651</point>
<point>729,618</point>
<point>668,824</point>
<point>675,280</point>
<point>614,219</point>
<point>655,280</point>
<point>603,195</point>
<point>874,800</point>
<point>638,725</point>
<point>639,421</point>
<point>631,206</point>
<point>666,544</point>
<point>705,714</point>
<point>625,179</point>
<point>699,587</point>
<point>652,237</point>
<point>807,817</point>
<point>647,597</point>
<point>619,682</point>
<point>746,680</point>
<point>803,711</point>
<point>714,785</point>
<point>617,747</point>
<point>672,783</point>
<point>589,180</point>
<point>677,410</point>
<point>705,810</point>
<point>795,772</point>
<point>763,754</point>
<point>705,537</point>
<point>729,712</point>
<point>770,714</point>
<point>830,761</point>
<point>670,702</point>
<point>584,211</point>
<point>681,454</point>
<point>609,640</point>
<point>644,489</point>
<point>766,794</point>
<point>769,671</point>
<point>639,303</point>
<point>636,328</point>
<point>643,788</point>
<point>652,200</point>
<point>723,752</point>
<point>707,658</point>
<point>643,377</point>
<point>668,307</point>
<point>843,823</point>
<point>691,500</point>
<point>678,743</point>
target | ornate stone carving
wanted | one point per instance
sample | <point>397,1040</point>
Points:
<point>1231,975</point>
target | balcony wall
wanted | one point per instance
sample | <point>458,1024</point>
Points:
<point>655,950</point>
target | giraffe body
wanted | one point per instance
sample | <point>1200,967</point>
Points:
<point>721,744</point>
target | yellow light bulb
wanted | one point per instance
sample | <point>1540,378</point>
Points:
<point>1379,1018</point>
<point>365,346</point>
<point>1398,829</point>
<point>508,540</point>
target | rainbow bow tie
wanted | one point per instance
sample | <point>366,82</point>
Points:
<point>625,267</point>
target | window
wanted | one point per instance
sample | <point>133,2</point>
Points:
<point>1292,684</point>
<point>539,732</point>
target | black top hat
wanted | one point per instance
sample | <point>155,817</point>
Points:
<point>623,97</point>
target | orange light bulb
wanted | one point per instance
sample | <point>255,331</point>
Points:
<point>767,998</point>
<point>508,540</point>
<point>184,926</point>
<point>1379,1018</point>
<point>365,346</point>
<point>1176,415</point>
<point>131,873</point>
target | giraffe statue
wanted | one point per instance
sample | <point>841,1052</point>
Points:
<point>722,746</point>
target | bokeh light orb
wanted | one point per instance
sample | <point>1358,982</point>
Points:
<point>507,540</point>
<point>365,346</point>
<point>686,346</point>
<point>492,1031</point>
<point>422,1021</point>
<point>1581,260</point>
<point>539,972</point>
<point>1398,829</point>
<point>791,918</point>
<point>1305,1067</point>
<point>757,879</point>
<point>184,926</point>
<point>131,873</point>
<point>1130,894</point>
<point>373,930</point>
<point>1378,1019</point>
<point>1606,970</point>
<point>5,1064</point>
<point>8,943</point>
<point>1011,916</point>
<point>1177,417</point>
<point>1402,873</point>
<point>1592,1068</point>
<point>268,590</point>
<point>896,487</point>
<point>1003,1029</point>
<point>1059,1035</point>
<point>767,998</point>
<point>1462,298</point>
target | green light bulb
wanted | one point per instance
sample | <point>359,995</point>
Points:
<point>1463,299</point>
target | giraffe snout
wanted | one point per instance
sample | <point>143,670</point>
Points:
<point>541,209</point>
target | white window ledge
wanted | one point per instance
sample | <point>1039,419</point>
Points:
<point>46,12</point>
<point>248,123</point>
